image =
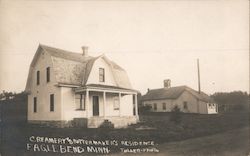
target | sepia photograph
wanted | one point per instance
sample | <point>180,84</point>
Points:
<point>132,77</point>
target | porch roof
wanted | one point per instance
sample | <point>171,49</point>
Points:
<point>107,88</point>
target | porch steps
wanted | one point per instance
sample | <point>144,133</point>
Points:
<point>96,122</point>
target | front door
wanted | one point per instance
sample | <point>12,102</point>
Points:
<point>95,106</point>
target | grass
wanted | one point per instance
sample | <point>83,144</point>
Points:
<point>230,143</point>
<point>161,130</point>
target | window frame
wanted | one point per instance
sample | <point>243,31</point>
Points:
<point>37,77</point>
<point>116,104</point>
<point>35,105</point>
<point>164,106</point>
<point>155,106</point>
<point>52,102</point>
<point>48,74</point>
<point>185,105</point>
<point>101,75</point>
<point>81,103</point>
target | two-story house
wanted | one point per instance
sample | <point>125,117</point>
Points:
<point>64,87</point>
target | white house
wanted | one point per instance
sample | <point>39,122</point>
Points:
<point>187,99</point>
<point>65,88</point>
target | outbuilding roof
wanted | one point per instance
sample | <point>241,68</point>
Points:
<point>174,93</point>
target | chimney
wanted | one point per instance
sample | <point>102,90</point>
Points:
<point>148,89</point>
<point>167,83</point>
<point>85,50</point>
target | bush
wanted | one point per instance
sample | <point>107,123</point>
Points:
<point>175,115</point>
<point>107,125</point>
<point>144,109</point>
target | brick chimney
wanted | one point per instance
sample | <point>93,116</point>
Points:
<point>167,83</point>
<point>85,50</point>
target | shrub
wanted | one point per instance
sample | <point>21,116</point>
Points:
<point>107,125</point>
<point>144,109</point>
<point>175,115</point>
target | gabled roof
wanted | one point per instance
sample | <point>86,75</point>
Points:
<point>173,93</point>
<point>74,68</point>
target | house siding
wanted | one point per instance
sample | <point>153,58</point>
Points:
<point>193,104</point>
<point>126,105</point>
<point>159,103</point>
<point>94,74</point>
<point>69,107</point>
<point>43,91</point>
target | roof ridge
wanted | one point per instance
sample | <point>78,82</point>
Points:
<point>169,88</point>
<point>46,46</point>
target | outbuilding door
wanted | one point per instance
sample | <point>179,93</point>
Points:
<point>95,106</point>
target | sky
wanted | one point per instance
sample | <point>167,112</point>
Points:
<point>151,40</point>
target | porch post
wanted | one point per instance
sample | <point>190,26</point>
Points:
<point>120,97</point>
<point>136,105</point>
<point>104,104</point>
<point>87,103</point>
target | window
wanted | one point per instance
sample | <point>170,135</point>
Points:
<point>52,103</point>
<point>116,103</point>
<point>185,106</point>
<point>48,74</point>
<point>155,106</point>
<point>101,74</point>
<point>38,77</point>
<point>164,106</point>
<point>80,102</point>
<point>35,105</point>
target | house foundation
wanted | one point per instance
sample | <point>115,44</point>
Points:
<point>93,122</point>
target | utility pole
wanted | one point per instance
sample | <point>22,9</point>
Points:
<point>199,83</point>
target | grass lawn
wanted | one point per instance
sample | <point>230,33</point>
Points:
<point>231,143</point>
<point>155,127</point>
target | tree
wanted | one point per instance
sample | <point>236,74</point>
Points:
<point>231,101</point>
<point>5,95</point>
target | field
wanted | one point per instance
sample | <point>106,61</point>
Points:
<point>153,126</point>
<point>230,143</point>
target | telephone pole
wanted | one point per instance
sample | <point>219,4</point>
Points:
<point>199,83</point>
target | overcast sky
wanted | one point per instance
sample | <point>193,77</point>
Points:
<point>152,40</point>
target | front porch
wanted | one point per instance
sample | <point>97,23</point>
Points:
<point>101,103</point>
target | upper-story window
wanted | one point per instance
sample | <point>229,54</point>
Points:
<point>38,77</point>
<point>101,75</point>
<point>48,74</point>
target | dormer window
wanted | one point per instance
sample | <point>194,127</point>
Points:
<point>101,75</point>
<point>48,74</point>
<point>38,77</point>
